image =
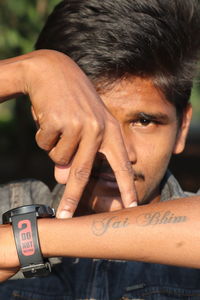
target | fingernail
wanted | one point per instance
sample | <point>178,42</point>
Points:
<point>64,214</point>
<point>133,204</point>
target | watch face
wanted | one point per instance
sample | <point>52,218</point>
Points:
<point>42,211</point>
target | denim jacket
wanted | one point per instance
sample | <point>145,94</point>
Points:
<point>95,279</point>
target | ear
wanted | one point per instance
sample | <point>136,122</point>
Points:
<point>183,130</point>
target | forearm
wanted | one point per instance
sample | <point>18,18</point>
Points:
<point>162,233</point>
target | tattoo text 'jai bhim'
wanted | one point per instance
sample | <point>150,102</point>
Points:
<point>101,226</point>
<point>162,217</point>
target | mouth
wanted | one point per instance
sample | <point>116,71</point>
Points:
<point>103,172</point>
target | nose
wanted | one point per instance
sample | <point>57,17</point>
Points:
<point>129,144</point>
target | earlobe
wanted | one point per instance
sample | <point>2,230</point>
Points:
<point>183,130</point>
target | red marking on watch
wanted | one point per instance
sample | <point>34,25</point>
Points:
<point>26,238</point>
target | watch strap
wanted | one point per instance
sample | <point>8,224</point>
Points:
<point>28,246</point>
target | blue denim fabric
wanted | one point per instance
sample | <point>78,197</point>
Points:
<point>83,279</point>
<point>93,279</point>
<point>49,288</point>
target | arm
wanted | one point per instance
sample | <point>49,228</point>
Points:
<point>167,233</point>
<point>73,121</point>
<point>159,233</point>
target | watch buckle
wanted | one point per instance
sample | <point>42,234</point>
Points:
<point>37,270</point>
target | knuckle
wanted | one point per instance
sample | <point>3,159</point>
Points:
<point>96,127</point>
<point>126,193</point>
<point>125,167</point>
<point>42,143</point>
<point>51,122</point>
<point>71,203</point>
<point>82,175</point>
<point>45,146</point>
<point>74,123</point>
<point>60,160</point>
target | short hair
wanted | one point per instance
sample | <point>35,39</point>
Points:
<point>111,40</point>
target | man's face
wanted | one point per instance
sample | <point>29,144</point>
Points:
<point>151,134</point>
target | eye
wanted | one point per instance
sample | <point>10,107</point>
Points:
<point>142,122</point>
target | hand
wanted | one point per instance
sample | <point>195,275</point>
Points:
<point>9,263</point>
<point>73,124</point>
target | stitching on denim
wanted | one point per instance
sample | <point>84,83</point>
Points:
<point>135,287</point>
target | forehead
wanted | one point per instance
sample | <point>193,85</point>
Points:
<point>136,94</point>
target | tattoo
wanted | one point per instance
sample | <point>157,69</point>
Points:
<point>101,226</point>
<point>161,217</point>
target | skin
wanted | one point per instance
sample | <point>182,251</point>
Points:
<point>142,228</point>
<point>151,133</point>
<point>160,232</point>
<point>73,123</point>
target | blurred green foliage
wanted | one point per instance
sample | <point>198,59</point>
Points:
<point>20,23</point>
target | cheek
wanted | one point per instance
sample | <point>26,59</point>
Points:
<point>154,151</point>
<point>152,164</point>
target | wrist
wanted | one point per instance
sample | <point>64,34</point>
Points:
<point>36,67</point>
<point>25,231</point>
<point>8,251</point>
<point>12,78</point>
<point>45,235</point>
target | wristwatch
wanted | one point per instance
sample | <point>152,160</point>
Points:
<point>24,224</point>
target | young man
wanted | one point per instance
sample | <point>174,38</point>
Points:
<point>141,57</point>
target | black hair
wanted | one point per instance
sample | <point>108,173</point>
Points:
<point>110,40</point>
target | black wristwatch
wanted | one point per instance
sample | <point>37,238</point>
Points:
<point>24,224</point>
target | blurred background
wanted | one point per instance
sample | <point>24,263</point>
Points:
<point>20,23</point>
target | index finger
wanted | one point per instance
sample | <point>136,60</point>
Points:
<point>78,177</point>
<point>118,159</point>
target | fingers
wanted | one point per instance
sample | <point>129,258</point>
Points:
<point>78,177</point>
<point>88,143</point>
<point>79,174</point>
<point>117,156</point>
<point>65,148</point>
<point>33,114</point>
<point>47,137</point>
<point>59,138</point>
<point>61,173</point>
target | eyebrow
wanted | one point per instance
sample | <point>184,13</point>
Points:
<point>159,117</point>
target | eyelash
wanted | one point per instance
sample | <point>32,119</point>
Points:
<point>140,120</point>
